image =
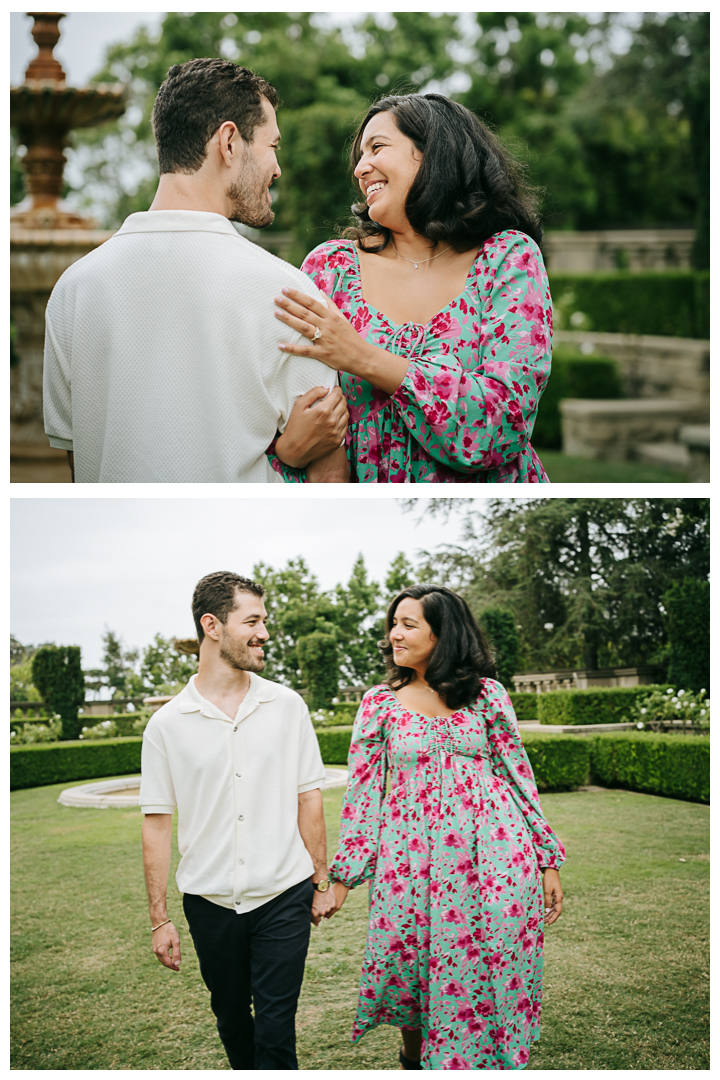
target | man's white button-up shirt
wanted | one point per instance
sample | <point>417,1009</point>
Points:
<point>235,785</point>
<point>161,354</point>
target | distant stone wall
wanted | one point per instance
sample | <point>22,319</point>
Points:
<point>578,679</point>
<point>618,249</point>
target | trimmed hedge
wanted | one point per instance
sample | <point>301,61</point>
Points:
<point>525,705</point>
<point>605,705</point>
<point>677,766</point>
<point>559,762</point>
<point>573,376</point>
<point>54,763</point>
<point>675,303</point>
<point>334,744</point>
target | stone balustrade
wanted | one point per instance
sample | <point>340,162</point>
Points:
<point>609,430</point>
<point>538,682</point>
<point>618,249</point>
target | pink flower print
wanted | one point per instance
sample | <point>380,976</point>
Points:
<point>340,258</point>
<point>501,833</point>
<point>393,980</point>
<point>456,1062</point>
<point>500,1036</point>
<point>438,416</point>
<point>514,910</point>
<point>521,1057</point>
<point>515,416</point>
<point>361,321</point>
<point>454,839</point>
<point>446,385</point>
<point>514,983</point>
<point>538,337</point>
<point>421,385</point>
<point>445,326</point>
<point>341,300</point>
<point>453,915</point>
<point>485,1008</point>
<point>454,989</point>
<point>465,1013</point>
<point>349,812</point>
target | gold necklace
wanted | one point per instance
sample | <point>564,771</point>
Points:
<point>419,263</point>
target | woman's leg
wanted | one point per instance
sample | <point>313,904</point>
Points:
<point>412,1043</point>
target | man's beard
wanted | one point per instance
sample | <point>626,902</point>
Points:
<point>239,657</point>
<point>249,197</point>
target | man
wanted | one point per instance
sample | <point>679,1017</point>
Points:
<point>238,756</point>
<point>161,349</point>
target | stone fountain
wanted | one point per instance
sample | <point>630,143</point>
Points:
<point>45,238</point>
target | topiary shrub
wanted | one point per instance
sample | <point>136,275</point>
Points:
<point>35,766</point>
<point>57,674</point>
<point>318,657</point>
<point>499,625</point>
<point>687,607</point>
<point>677,766</point>
<point>605,705</point>
<point>334,744</point>
<point>559,762</point>
<point>525,705</point>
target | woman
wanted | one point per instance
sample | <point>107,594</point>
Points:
<point>441,323</point>
<point>456,849</point>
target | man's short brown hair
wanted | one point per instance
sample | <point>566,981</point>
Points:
<point>195,99</point>
<point>215,594</point>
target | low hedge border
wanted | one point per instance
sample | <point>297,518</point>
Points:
<point>54,763</point>
<point>559,762</point>
<point>525,705</point>
<point>677,766</point>
<point>604,705</point>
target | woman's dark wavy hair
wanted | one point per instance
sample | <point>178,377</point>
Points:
<point>462,656</point>
<point>468,186</point>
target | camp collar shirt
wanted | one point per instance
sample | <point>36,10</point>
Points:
<point>235,784</point>
<point>162,362</point>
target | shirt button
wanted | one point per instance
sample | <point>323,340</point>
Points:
<point>240,817</point>
<point>238,774</point>
<point>238,902</point>
<point>241,862</point>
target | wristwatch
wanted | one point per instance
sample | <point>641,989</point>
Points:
<point>321,886</point>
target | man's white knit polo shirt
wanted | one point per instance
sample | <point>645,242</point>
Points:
<point>235,784</point>
<point>161,354</point>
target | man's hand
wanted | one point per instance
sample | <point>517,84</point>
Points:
<point>335,898</point>
<point>166,946</point>
<point>316,426</point>
<point>552,896</point>
<point>332,469</point>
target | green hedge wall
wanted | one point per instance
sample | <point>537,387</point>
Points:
<point>572,376</point>
<point>559,762</point>
<point>677,766</point>
<point>334,744</point>
<point>675,303</point>
<point>525,705</point>
<point>602,706</point>
<point>54,763</point>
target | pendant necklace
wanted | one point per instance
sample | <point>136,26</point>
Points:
<point>421,261</point>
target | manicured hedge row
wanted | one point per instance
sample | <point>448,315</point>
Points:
<point>559,762</point>
<point>673,303</point>
<point>605,705</point>
<point>525,705</point>
<point>334,744</point>
<point>54,763</point>
<point>677,766</point>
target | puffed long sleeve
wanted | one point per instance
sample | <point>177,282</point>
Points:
<point>360,817</point>
<point>480,415</point>
<point>510,761</point>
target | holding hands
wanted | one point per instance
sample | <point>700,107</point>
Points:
<point>326,904</point>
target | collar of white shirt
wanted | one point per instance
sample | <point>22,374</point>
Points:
<point>190,700</point>
<point>146,221</point>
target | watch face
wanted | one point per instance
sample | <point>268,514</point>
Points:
<point>322,886</point>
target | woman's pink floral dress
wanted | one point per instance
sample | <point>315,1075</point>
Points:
<point>454,850</point>
<point>464,412</point>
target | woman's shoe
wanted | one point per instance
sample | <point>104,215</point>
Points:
<point>407,1063</point>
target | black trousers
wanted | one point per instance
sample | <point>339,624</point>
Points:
<point>259,959</point>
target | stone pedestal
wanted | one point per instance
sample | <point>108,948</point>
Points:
<point>38,257</point>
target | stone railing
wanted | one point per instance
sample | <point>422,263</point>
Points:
<point>31,709</point>
<point>579,679</point>
<point>618,249</point>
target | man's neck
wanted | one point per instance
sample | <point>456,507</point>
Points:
<point>176,191</point>
<point>221,684</point>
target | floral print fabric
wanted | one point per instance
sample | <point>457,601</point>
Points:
<point>464,412</point>
<point>454,850</point>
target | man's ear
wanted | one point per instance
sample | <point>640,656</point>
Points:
<point>211,625</point>
<point>229,141</point>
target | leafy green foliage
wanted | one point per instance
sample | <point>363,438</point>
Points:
<point>572,376</point>
<point>499,625</point>
<point>525,705</point>
<point>334,744</point>
<point>673,765</point>
<point>334,715</point>
<point>57,674</point>
<point>661,708</point>
<point>584,577</point>
<point>687,604</point>
<point>24,734</point>
<point>118,673</point>
<point>675,303</point>
<point>605,705</point>
<point>318,657</point>
<point>163,669</point>
<point>33,766</point>
<point>559,762</point>
<point>22,687</point>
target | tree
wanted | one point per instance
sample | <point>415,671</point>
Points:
<point>118,672</point>
<point>163,669</point>
<point>583,577</point>
<point>57,673</point>
<point>499,625</point>
<point>318,657</point>
<point>687,608</point>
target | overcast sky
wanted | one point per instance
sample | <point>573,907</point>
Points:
<point>79,565</point>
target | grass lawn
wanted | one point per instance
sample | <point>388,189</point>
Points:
<point>626,978</point>
<point>562,469</point>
